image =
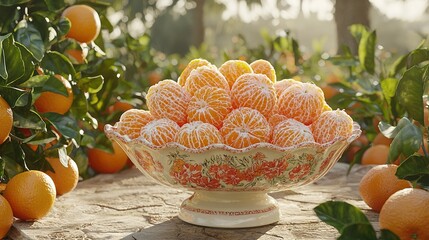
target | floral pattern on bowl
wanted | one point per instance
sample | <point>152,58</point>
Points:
<point>260,168</point>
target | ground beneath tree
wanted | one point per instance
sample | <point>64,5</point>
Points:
<point>131,206</point>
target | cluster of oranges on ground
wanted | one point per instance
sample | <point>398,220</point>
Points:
<point>238,104</point>
<point>403,209</point>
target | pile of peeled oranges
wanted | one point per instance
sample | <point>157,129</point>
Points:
<point>237,104</point>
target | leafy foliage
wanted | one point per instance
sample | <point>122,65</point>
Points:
<point>33,48</point>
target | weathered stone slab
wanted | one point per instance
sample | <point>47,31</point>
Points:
<point>129,205</point>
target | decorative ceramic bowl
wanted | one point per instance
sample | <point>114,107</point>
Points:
<point>230,185</point>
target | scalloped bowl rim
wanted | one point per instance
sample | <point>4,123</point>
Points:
<point>110,131</point>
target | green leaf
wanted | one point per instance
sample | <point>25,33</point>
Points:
<point>57,63</point>
<point>91,84</point>
<point>11,63</point>
<point>27,34</point>
<point>358,231</point>
<point>357,31</point>
<point>55,86</point>
<point>36,81</point>
<point>417,56</point>
<point>367,51</point>
<point>415,168</point>
<point>62,155</point>
<point>388,235</point>
<point>14,96</point>
<point>388,87</point>
<point>67,126</point>
<point>390,131</point>
<point>28,61</point>
<point>12,2</point>
<point>410,91</point>
<point>28,119</point>
<point>406,142</point>
<point>399,64</point>
<point>344,61</point>
<point>63,27</point>
<point>340,214</point>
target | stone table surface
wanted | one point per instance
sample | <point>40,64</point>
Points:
<point>129,205</point>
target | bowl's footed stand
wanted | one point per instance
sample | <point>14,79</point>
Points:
<point>229,209</point>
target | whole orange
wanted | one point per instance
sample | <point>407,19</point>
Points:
<point>55,102</point>
<point>105,162</point>
<point>379,183</point>
<point>6,120</point>
<point>380,139</point>
<point>65,178</point>
<point>376,154</point>
<point>31,195</point>
<point>6,218</point>
<point>85,23</point>
<point>406,213</point>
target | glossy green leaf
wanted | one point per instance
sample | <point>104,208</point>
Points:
<point>358,231</point>
<point>388,87</point>
<point>415,168</point>
<point>63,27</point>
<point>391,131</point>
<point>55,86</point>
<point>410,91</point>
<point>57,63</point>
<point>399,64</point>
<point>406,142</point>
<point>367,51</point>
<point>417,56</point>
<point>36,81</point>
<point>28,119</point>
<point>11,64</point>
<point>28,61</point>
<point>16,97</point>
<point>91,84</point>
<point>388,235</point>
<point>67,126</point>
<point>340,214</point>
<point>12,2</point>
<point>28,35</point>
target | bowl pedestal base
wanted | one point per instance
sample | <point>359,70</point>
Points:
<point>229,209</point>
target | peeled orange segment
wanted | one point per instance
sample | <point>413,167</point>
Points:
<point>282,85</point>
<point>209,105</point>
<point>276,119</point>
<point>232,69</point>
<point>254,91</point>
<point>303,102</point>
<point>167,99</point>
<point>198,134</point>
<point>132,121</point>
<point>194,64</point>
<point>291,132</point>
<point>205,76</point>
<point>332,124</point>
<point>245,126</point>
<point>160,131</point>
<point>264,67</point>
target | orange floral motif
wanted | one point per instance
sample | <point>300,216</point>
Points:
<point>272,169</point>
<point>148,163</point>
<point>299,172</point>
<point>226,173</point>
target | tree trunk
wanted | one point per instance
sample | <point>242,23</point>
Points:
<point>199,22</point>
<point>349,12</point>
